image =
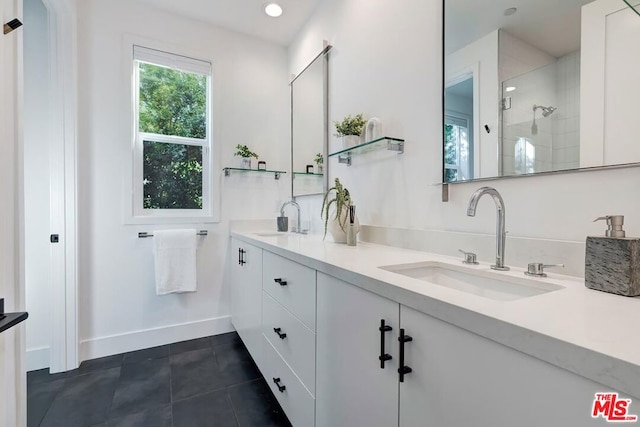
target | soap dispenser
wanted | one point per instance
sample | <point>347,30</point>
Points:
<point>612,261</point>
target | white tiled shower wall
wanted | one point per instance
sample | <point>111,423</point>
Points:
<point>566,120</point>
<point>540,79</point>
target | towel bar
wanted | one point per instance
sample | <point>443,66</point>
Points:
<point>144,234</point>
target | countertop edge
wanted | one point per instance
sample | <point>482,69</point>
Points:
<point>12,319</point>
<point>602,368</point>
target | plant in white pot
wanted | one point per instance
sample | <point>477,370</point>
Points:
<point>246,155</point>
<point>335,212</point>
<point>350,129</point>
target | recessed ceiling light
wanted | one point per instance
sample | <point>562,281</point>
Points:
<point>273,9</point>
<point>510,11</point>
<point>510,89</point>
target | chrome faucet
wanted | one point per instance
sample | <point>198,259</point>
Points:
<point>297,206</point>
<point>500,232</point>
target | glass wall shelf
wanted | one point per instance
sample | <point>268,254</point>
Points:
<point>227,171</point>
<point>308,174</point>
<point>392,144</point>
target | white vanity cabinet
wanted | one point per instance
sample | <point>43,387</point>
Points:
<point>456,378</point>
<point>460,379</point>
<point>246,296</point>
<point>351,387</point>
<point>332,355</point>
<point>288,325</point>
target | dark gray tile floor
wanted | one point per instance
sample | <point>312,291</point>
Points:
<point>205,382</point>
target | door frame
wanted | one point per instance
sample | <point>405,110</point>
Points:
<point>63,109</point>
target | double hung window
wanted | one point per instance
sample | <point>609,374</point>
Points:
<point>172,127</point>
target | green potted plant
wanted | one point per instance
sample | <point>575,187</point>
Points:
<point>350,129</point>
<point>335,212</point>
<point>246,155</point>
<point>319,160</point>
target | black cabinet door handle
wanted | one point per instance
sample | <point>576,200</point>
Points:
<point>402,370</point>
<point>383,356</point>
<point>282,388</point>
<point>280,282</point>
<point>280,333</point>
<point>241,253</point>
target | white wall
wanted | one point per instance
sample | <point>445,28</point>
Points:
<point>36,183</point>
<point>397,77</point>
<point>609,87</point>
<point>118,307</point>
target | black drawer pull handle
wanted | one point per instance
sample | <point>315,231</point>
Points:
<point>280,282</point>
<point>282,388</point>
<point>402,370</point>
<point>383,356</point>
<point>279,332</point>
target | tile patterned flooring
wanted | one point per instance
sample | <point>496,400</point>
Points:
<point>205,382</point>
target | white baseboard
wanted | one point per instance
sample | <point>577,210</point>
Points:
<point>38,358</point>
<point>116,344</point>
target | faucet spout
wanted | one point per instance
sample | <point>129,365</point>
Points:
<point>297,206</point>
<point>500,221</point>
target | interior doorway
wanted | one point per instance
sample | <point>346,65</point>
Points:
<point>50,224</point>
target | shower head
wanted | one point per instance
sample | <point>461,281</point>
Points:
<point>546,111</point>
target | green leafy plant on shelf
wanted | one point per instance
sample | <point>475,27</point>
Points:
<point>350,125</point>
<point>340,197</point>
<point>243,151</point>
<point>319,159</point>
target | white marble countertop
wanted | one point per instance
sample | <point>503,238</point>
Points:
<point>590,333</point>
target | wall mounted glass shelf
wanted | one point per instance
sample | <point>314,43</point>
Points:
<point>276,174</point>
<point>308,174</point>
<point>392,144</point>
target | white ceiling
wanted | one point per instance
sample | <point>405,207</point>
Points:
<point>245,16</point>
<point>550,25</point>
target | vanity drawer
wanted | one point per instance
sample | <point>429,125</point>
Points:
<point>298,347</point>
<point>298,295</point>
<point>295,399</point>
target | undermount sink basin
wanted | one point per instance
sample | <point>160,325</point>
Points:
<point>485,283</point>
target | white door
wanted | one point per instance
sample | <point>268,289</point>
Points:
<point>246,296</point>
<point>37,184</point>
<point>351,387</point>
<point>460,379</point>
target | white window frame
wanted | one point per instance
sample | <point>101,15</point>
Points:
<point>159,56</point>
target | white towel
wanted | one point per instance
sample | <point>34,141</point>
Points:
<point>175,260</point>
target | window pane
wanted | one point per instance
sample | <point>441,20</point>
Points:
<point>172,102</point>
<point>450,175</point>
<point>172,176</point>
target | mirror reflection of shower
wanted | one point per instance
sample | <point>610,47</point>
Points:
<point>546,112</point>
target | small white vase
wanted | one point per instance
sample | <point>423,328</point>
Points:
<point>351,140</point>
<point>245,162</point>
<point>339,235</point>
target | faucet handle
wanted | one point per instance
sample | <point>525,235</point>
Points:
<point>469,257</point>
<point>536,269</point>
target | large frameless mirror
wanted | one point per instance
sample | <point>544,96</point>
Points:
<point>309,127</point>
<point>535,86</point>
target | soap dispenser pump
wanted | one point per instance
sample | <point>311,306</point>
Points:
<point>612,261</point>
<point>614,225</point>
